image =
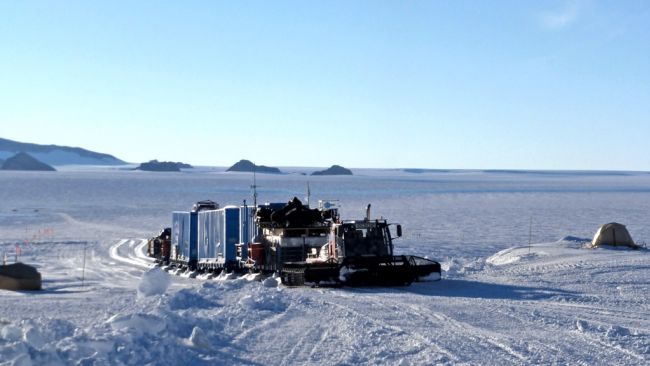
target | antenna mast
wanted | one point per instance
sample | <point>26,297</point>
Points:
<point>254,186</point>
<point>308,194</point>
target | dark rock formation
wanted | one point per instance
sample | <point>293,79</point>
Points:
<point>334,170</point>
<point>23,161</point>
<point>163,166</point>
<point>248,166</point>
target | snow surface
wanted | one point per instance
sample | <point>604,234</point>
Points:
<point>500,301</point>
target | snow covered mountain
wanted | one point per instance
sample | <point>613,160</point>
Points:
<point>57,155</point>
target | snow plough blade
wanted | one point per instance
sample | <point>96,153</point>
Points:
<point>424,268</point>
<point>387,270</point>
<point>361,271</point>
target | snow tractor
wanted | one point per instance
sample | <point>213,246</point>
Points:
<point>314,247</point>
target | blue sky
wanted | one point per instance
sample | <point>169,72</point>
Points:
<point>431,84</point>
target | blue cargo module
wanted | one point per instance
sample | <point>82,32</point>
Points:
<point>208,235</point>
<point>180,235</point>
<point>207,240</point>
<point>184,238</point>
<point>229,233</point>
<point>218,233</point>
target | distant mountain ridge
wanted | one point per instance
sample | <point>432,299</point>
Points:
<point>57,155</point>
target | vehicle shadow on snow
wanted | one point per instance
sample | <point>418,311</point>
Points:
<point>472,289</point>
<point>56,287</point>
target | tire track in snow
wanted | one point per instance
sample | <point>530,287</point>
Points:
<point>567,314</point>
<point>323,337</point>
<point>460,328</point>
<point>113,272</point>
<point>298,348</point>
<point>481,334</point>
<point>303,346</point>
<point>606,345</point>
<point>554,265</point>
<point>564,318</point>
<point>130,258</point>
<point>264,324</point>
<point>551,326</point>
<point>616,315</point>
<point>140,251</point>
<point>396,329</point>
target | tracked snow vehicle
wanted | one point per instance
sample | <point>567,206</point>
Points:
<point>313,246</point>
<point>360,253</point>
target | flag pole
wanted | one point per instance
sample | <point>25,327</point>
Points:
<point>530,234</point>
<point>83,270</point>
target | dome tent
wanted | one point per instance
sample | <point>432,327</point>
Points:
<point>613,234</point>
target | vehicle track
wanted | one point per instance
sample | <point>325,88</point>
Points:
<point>454,330</point>
<point>397,331</point>
<point>131,257</point>
<point>544,340</point>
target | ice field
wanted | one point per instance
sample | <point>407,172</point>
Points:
<point>500,301</point>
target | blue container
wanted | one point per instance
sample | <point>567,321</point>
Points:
<point>229,233</point>
<point>208,234</point>
<point>194,248</point>
<point>181,234</point>
<point>211,236</point>
<point>184,236</point>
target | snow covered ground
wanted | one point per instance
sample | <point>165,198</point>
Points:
<point>500,301</point>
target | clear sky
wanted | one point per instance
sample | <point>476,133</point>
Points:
<point>430,84</point>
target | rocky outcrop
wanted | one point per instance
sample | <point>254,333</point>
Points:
<point>334,170</point>
<point>248,166</point>
<point>163,166</point>
<point>24,161</point>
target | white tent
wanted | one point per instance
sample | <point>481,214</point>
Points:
<point>613,234</point>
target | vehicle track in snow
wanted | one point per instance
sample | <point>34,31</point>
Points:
<point>309,344</point>
<point>599,311</point>
<point>542,266</point>
<point>542,339</point>
<point>588,329</point>
<point>129,251</point>
<point>450,333</point>
<point>398,334</point>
